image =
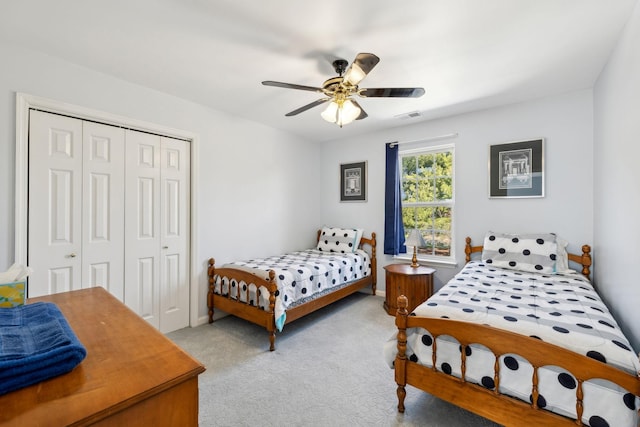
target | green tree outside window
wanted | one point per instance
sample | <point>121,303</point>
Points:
<point>427,202</point>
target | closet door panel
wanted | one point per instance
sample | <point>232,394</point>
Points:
<point>142,225</point>
<point>55,194</point>
<point>147,306</point>
<point>174,282</point>
<point>103,207</point>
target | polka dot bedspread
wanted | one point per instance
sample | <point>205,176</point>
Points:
<point>301,276</point>
<point>563,309</point>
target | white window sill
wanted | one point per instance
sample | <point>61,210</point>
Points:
<point>451,263</point>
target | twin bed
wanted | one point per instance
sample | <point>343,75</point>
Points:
<point>519,338</point>
<point>274,291</point>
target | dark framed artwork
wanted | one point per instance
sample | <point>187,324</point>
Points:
<point>353,182</point>
<point>516,169</point>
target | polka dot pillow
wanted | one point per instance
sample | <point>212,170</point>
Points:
<point>525,252</point>
<point>341,240</point>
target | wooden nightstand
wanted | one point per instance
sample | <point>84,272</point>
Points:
<point>416,283</point>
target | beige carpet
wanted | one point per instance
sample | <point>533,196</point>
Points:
<point>321,374</point>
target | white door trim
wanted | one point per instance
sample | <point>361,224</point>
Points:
<point>24,102</point>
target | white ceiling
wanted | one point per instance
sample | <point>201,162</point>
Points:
<point>467,54</point>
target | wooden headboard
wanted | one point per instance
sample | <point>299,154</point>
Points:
<point>584,260</point>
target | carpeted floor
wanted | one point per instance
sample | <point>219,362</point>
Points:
<point>321,374</point>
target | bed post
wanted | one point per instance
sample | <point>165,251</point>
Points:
<point>467,249</point>
<point>273,288</point>
<point>211,274</point>
<point>586,260</point>
<point>401,357</point>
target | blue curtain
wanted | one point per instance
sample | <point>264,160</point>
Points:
<point>393,227</point>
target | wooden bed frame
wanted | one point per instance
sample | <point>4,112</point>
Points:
<point>491,404</point>
<point>267,319</point>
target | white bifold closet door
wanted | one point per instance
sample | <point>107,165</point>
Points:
<point>76,222</point>
<point>157,229</point>
<point>109,207</point>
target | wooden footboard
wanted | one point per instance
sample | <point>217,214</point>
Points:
<point>241,306</point>
<point>245,310</point>
<point>490,403</point>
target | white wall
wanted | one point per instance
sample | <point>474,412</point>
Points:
<point>250,176</point>
<point>617,180</point>
<point>566,123</point>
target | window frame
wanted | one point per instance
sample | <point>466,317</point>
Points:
<point>434,149</point>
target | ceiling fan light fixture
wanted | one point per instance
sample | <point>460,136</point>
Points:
<point>354,75</point>
<point>341,112</point>
<point>348,113</point>
<point>331,112</point>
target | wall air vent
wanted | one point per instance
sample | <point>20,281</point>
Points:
<point>410,115</point>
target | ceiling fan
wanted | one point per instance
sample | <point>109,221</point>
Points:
<point>339,91</point>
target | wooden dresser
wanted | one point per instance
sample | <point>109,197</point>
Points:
<point>132,375</point>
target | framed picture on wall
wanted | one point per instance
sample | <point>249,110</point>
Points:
<point>516,169</point>
<point>353,182</point>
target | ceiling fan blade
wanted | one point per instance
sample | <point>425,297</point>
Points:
<point>359,68</point>
<point>308,106</point>
<point>363,114</point>
<point>291,86</point>
<point>392,92</point>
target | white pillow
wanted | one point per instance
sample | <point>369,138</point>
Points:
<point>527,252</point>
<point>359,233</point>
<point>341,240</point>
<point>562,260</point>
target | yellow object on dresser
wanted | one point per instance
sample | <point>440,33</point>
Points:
<point>12,294</point>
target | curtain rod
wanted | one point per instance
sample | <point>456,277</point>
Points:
<point>433,138</point>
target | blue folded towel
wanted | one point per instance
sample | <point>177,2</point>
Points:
<point>36,343</point>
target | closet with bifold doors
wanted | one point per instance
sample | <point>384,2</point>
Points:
<point>109,206</point>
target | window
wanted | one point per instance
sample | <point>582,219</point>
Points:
<point>428,199</point>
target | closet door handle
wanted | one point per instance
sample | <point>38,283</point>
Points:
<point>72,255</point>
<point>165,247</point>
